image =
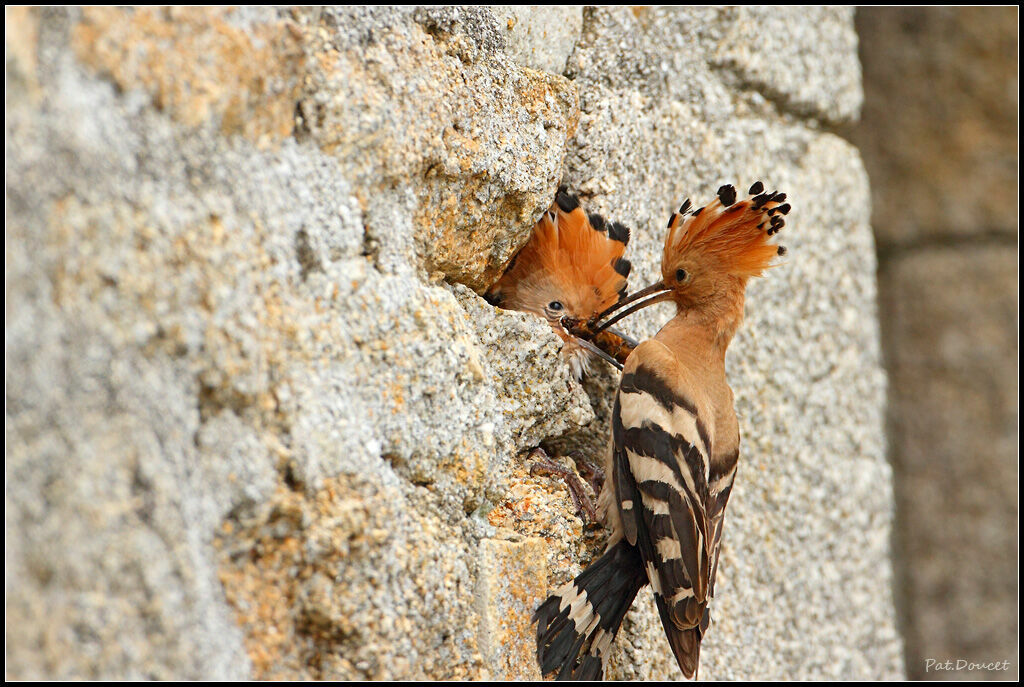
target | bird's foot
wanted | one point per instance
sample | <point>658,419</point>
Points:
<point>543,464</point>
<point>590,472</point>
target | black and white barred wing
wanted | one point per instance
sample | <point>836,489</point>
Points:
<point>660,462</point>
<point>719,489</point>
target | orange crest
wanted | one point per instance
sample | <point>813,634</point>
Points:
<point>729,235</point>
<point>572,265</point>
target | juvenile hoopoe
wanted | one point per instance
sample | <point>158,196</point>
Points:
<point>674,444</point>
<point>571,266</point>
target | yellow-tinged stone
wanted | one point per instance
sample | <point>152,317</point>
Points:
<point>512,582</point>
<point>21,34</point>
<point>402,107</point>
<point>198,67</point>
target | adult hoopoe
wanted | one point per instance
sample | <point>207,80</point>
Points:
<point>571,266</point>
<point>674,444</point>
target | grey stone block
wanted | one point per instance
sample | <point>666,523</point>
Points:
<point>261,425</point>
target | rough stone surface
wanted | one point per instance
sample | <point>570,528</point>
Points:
<point>260,425</point>
<point>513,575</point>
<point>430,96</point>
<point>540,37</point>
<point>802,58</point>
<point>939,137</point>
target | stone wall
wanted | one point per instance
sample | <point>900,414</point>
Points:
<point>259,422</point>
<point>940,141</point>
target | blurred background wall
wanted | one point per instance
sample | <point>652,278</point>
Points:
<point>939,139</point>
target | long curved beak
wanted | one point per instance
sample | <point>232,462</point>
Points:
<point>658,292</point>
<point>631,298</point>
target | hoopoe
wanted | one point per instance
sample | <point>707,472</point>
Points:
<point>674,444</point>
<point>571,266</point>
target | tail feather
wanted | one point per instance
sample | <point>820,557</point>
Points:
<point>577,624</point>
<point>685,643</point>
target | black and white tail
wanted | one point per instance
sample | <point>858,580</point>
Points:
<point>577,624</point>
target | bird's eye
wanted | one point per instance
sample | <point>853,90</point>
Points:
<point>681,276</point>
<point>555,305</point>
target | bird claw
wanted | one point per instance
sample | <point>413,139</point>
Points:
<point>593,474</point>
<point>543,464</point>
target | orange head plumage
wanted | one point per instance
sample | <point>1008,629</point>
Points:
<point>711,252</point>
<point>571,266</point>
<point>725,241</point>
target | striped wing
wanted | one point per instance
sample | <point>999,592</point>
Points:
<point>719,489</point>
<point>661,470</point>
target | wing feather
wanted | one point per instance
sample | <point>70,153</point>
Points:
<point>660,456</point>
<point>720,488</point>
